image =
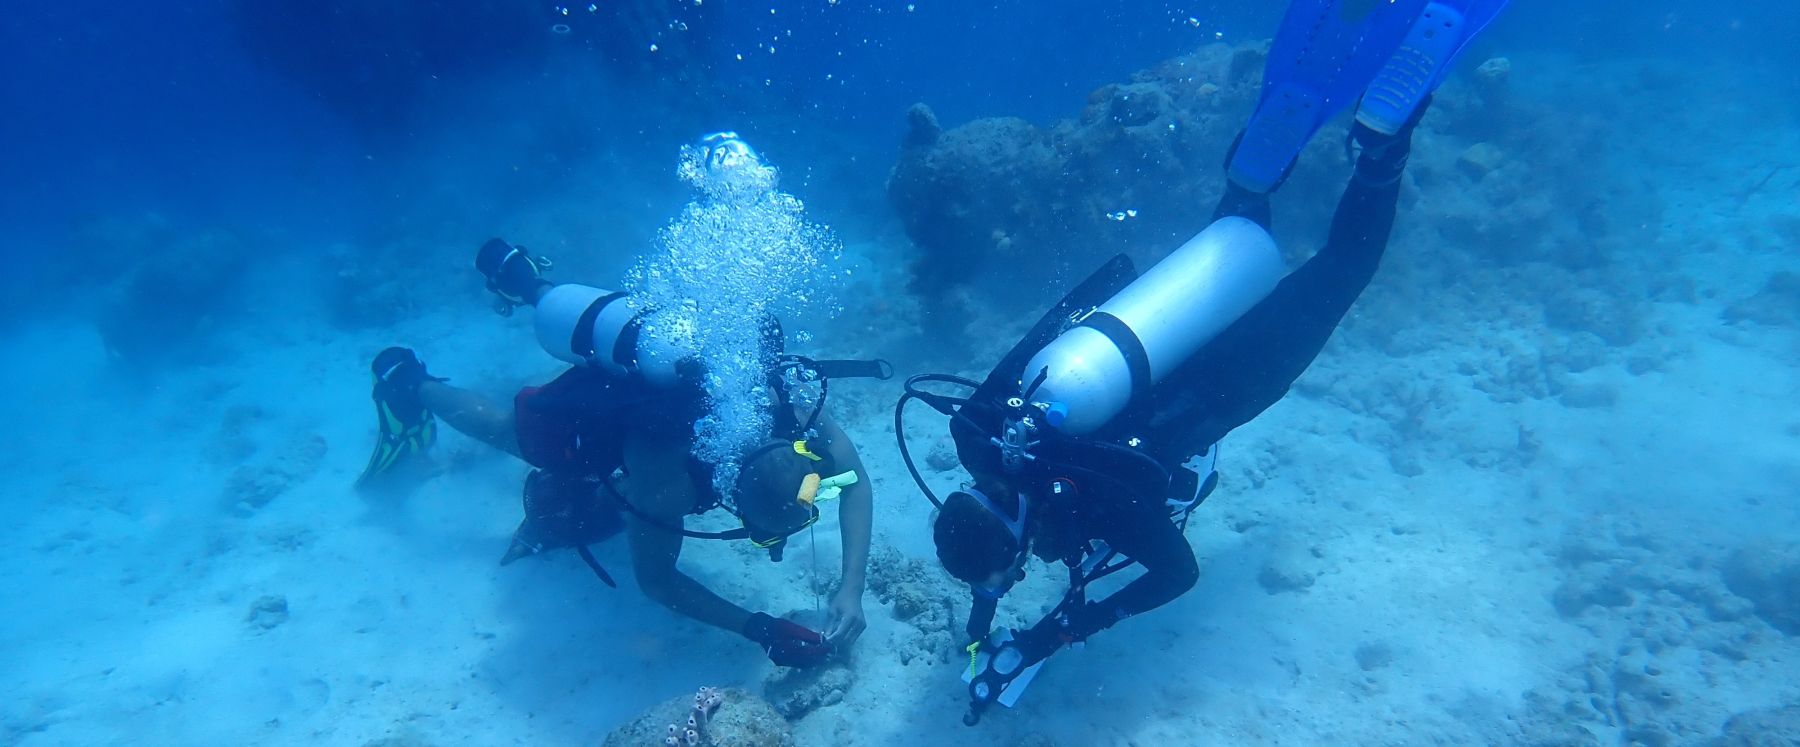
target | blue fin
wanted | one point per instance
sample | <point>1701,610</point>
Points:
<point>1324,56</point>
<point>1416,69</point>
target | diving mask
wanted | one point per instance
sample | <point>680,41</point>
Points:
<point>813,490</point>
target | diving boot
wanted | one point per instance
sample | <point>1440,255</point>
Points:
<point>513,274</point>
<point>1379,156</point>
<point>404,426</point>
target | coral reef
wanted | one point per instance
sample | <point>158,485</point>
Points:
<point>919,596</point>
<point>1769,727</point>
<point>236,439</point>
<point>1663,614</point>
<point>267,612</point>
<point>252,486</point>
<point>162,294</point>
<point>1768,575</point>
<point>942,456</point>
<point>1290,568</point>
<point>798,692</point>
<point>1776,304</point>
<point>364,289</point>
<point>1135,172</point>
<point>690,734</point>
<point>714,717</point>
<point>159,293</point>
<point>999,209</point>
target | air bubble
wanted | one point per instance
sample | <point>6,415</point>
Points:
<point>779,264</point>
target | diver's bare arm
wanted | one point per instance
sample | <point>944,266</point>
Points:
<point>856,507</point>
<point>653,554</point>
<point>472,415</point>
<point>661,488</point>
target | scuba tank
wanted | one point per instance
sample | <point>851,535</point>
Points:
<point>589,326</point>
<point>577,324</point>
<point>1089,373</point>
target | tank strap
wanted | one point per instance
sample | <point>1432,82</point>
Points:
<point>624,351</point>
<point>1136,360</point>
<point>582,343</point>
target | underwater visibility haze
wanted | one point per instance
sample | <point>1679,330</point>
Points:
<point>856,372</point>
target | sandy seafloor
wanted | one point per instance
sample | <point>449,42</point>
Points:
<point>1368,578</point>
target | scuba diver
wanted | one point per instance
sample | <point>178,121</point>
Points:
<point>1094,438</point>
<point>611,443</point>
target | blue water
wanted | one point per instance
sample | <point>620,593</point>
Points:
<point>1539,487</point>
<point>110,106</point>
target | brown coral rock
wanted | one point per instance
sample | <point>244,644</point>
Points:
<point>742,720</point>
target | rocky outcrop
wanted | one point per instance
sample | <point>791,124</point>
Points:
<point>1769,576</point>
<point>1137,171</point>
<point>741,719</point>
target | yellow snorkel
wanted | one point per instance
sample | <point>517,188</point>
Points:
<point>814,489</point>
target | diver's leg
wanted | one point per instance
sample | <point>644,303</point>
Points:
<point>1324,56</point>
<point>1307,305</point>
<point>471,414</point>
<point>1252,364</point>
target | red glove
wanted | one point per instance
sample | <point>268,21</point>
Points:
<point>787,643</point>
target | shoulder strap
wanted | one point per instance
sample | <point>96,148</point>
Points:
<point>730,534</point>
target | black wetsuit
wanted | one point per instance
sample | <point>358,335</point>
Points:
<point>572,429</point>
<point>1234,378</point>
<point>1251,365</point>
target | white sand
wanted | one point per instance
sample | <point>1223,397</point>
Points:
<point>130,578</point>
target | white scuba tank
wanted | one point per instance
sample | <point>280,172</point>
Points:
<point>1153,325</point>
<point>589,326</point>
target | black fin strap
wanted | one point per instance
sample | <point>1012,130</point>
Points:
<point>588,557</point>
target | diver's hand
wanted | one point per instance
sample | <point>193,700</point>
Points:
<point>845,621</point>
<point>788,644</point>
